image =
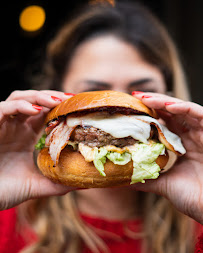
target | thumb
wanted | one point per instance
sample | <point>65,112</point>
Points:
<point>157,186</point>
<point>44,187</point>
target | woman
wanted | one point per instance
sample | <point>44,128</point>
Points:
<point>126,49</point>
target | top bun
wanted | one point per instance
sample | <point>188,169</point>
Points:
<point>90,101</point>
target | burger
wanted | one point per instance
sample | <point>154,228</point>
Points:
<point>104,139</point>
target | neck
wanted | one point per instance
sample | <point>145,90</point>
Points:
<point>109,203</point>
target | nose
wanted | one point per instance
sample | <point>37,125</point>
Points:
<point>120,88</point>
<point>120,84</point>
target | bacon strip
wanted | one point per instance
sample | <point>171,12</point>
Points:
<point>52,125</point>
<point>58,139</point>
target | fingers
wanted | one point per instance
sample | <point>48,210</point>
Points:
<point>186,108</point>
<point>170,104</point>
<point>44,98</point>
<point>156,100</point>
<point>62,95</point>
<point>30,103</point>
<point>15,107</point>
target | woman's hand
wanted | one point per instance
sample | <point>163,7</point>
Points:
<point>21,121</point>
<point>183,184</point>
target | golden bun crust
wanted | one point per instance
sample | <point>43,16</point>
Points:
<point>73,170</point>
<point>97,99</point>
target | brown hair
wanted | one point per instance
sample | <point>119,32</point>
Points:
<point>132,23</point>
<point>165,229</point>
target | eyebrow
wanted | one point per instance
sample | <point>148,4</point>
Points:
<point>108,85</point>
<point>140,81</point>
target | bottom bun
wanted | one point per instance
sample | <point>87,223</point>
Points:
<point>73,170</point>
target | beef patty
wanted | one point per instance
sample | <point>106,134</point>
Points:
<point>94,137</point>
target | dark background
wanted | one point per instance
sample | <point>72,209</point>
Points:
<point>22,54</point>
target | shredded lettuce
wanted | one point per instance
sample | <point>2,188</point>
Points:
<point>144,171</point>
<point>117,158</point>
<point>147,153</point>
<point>100,159</point>
<point>41,143</point>
<point>143,156</point>
<point>144,165</point>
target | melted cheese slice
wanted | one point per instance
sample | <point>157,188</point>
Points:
<point>121,126</point>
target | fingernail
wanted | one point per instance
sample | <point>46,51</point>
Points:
<point>37,107</point>
<point>137,92</point>
<point>69,94</point>
<point>56,98</point>
<point>146,96</point>
<point>169,103</point>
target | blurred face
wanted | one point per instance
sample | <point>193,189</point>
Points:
<point>108,63</point>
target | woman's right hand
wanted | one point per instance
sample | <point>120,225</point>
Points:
<point>21,121</point>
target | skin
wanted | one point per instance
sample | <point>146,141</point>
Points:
<point>107,63</point>
<point>102,63</point>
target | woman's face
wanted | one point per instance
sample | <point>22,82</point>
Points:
<point>108,63</point>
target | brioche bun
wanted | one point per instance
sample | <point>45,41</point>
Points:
<point>73,170</point>
<point>100,100</point>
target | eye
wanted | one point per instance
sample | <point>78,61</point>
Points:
<point>94,89</point>
<point>146,85</point>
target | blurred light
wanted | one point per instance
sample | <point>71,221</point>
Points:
<point>112,2</point>
<point>32,18</point>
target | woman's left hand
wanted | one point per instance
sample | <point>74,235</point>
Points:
<point>182,185</point>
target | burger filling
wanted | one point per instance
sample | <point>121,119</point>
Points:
<point>119,138</point>
<point>94,137</point>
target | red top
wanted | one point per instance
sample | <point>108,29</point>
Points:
<point>199,245</point>
<point>10,240</point>
<point>116,234</point>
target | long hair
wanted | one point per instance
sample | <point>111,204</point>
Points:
<point>165,230</point>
